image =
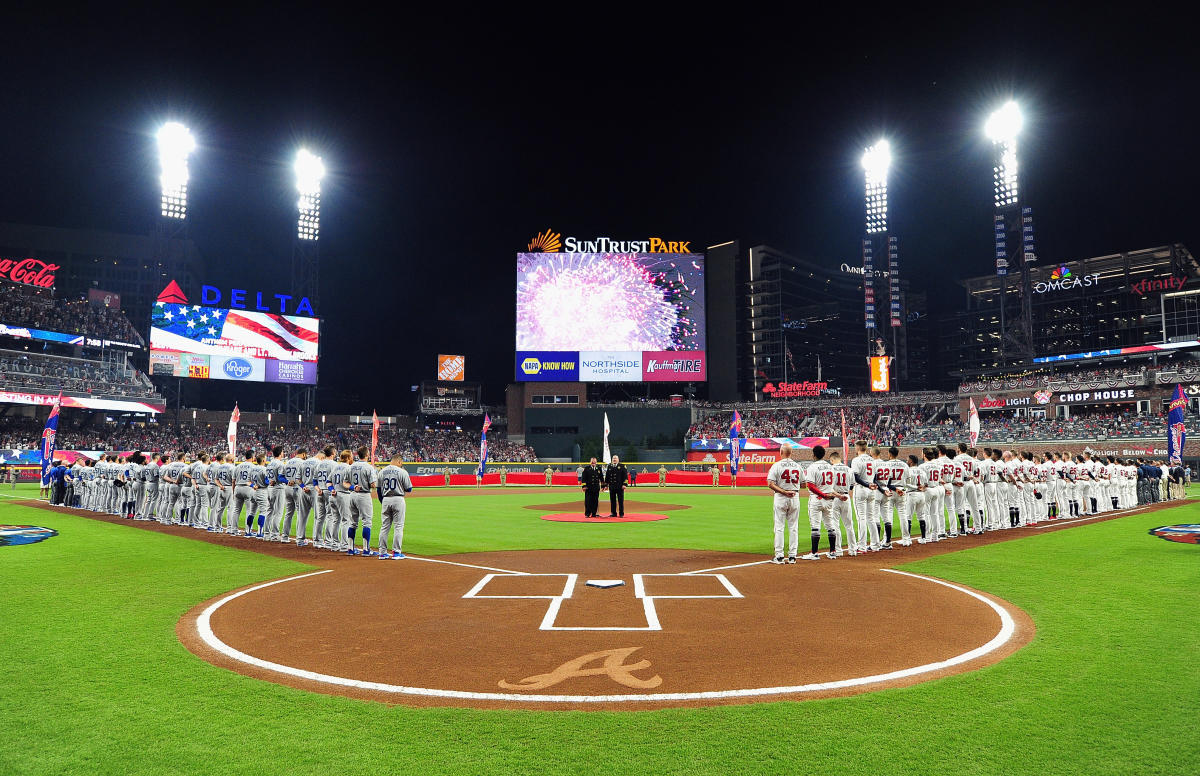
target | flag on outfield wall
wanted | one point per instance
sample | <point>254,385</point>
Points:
<point>49,435</point>
<point>845,440</point>
<point>1176,436</point>
<point>735,443</point>
<point>487,423</point>
<point>973,425</point>
<point>231,434</point>
<point>374,433</point>
<point>607,454</point>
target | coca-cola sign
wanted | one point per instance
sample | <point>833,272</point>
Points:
<point>29,272</point>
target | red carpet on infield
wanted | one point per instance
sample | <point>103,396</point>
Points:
<point>575,517</point>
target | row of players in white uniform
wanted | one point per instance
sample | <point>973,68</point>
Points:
<point>951,492</point>
<point>210,493</point>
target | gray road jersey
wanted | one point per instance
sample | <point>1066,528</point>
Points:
<point>174,470</point>
<point>323,473</point>
<point>222,473</point>
<point>394,481</point>
<point>306,471</point>
<point>273,469</point>
<point>198,470</point>
<point>338,474</point>
<point>291,470</point>
<point>362,475</point>
<point>152,472</point>
<point>243,473</point>
<point>259,475</point>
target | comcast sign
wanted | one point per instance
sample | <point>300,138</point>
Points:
<point>1062,279</point>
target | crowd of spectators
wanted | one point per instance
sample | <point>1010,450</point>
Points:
<point>1084,426</point>
<point>1082,379</point>
<point>38,372</point>
<point>882,424</point>
<point>38,309</point>
<point>427,446</point>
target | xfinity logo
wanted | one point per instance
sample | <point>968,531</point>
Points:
<point>685,365</point>
<point>238,368</point>
<point>1065,284</point>
<point>1143,287</point>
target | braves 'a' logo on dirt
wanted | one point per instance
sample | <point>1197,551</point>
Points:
<point>614,667</point>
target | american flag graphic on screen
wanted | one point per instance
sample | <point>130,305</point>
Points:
<point>214,330</point>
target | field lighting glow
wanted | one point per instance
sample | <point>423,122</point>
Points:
<point>175,144</point>
<point>1002,128</point>
<point>875,161</point>
<point>309,171</point>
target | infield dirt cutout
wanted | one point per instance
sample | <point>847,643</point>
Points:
<point>523,629</point>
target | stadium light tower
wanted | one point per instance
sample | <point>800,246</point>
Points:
<point>876,161</point>
<point>1013,226</point>
<point>175,145</point>
<point>310,171</point>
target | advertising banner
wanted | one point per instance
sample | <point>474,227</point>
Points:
<point>679,366</point>
<point>250,370</point>
<point>757,443</point>
<point>451,368</point>
<point>299,372</point>
<point>548,365</point>
<point>104,298</point>
<point>614,366</point>
<point>79,402</point>
<point>881,377</point>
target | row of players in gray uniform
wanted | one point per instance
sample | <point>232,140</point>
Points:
<point>210,493</point>
<point>975,486</point>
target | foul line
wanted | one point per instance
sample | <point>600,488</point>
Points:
<point>468,565</point>
<point>1007,629</point>
<point>722,568</point>
<point>1101,516</point>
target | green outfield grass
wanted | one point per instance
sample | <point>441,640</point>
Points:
<point>95,680</point>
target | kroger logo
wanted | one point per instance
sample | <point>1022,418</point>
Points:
<point>238,368</point>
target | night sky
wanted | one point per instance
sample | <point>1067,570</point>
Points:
<point>452,140</point>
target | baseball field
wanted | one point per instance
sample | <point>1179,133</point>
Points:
<point>103,675</point>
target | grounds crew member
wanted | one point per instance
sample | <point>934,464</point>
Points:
<point>616,478</point>
<point>591,479</point>
<point>549,475</point>
<point>662,475</point>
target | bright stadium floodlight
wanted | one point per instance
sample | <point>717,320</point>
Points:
<point>175,144</point>
<point>1002,128</point>
<point>309,172</point>
<point>875,162</point>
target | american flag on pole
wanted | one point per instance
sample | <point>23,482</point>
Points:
<point>374,433</point>
<point>217,331</point>
<point>735,443</point>
<point>845,439</point>
<point>231,434</point>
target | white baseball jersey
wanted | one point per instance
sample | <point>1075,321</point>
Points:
<point>863,467</point>
<point>841,478</point>
<point>788,475</point>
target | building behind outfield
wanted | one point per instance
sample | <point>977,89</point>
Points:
<point>781,318</point>
<point>124,264</point>
<point>1104,303</point>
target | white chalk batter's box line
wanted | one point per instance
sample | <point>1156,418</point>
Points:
<point>568,591</point>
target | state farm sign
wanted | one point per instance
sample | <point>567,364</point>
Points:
<point>786,390</point>
<point>29,272</point>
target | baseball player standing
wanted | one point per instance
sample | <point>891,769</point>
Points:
<point>362,479</point>
<point>394,485</point>
<point>322,472</point>
<point>890,478</point>
<point>841,481</point>
<point>784,480</point>
<point>864,501</point>
<point>913,483</point>
<point>304,493</point>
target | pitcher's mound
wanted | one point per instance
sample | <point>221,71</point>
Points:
<point>630,505</point>
<point>630,517</point>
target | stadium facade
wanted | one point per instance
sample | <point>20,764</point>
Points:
<point>133,266</point>
<point>1094,305</point>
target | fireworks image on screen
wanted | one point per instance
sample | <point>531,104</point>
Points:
<point>618,302</point>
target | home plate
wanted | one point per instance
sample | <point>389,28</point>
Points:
<point>605,583</point>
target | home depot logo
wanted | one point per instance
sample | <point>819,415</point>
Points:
<point>451,367</point>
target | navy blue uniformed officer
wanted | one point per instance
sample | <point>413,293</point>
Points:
<point>616,477</point>
<point>591,478</point>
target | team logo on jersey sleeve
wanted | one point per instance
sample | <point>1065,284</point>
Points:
<point>1185,533</point>
<point>11,535</point>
